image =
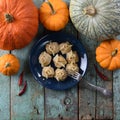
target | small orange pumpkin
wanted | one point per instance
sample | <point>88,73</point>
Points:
<point>54,14</point>
<point>9,64</point>
<point>108,54</point>
<point>18,23</point>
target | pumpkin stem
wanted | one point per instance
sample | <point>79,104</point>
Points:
<point>51,6</point>
<point>9,18</point>
<point>89,10</point>
<point>7,64</point>
<point>114,52</point>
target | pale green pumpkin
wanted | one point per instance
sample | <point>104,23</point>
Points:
<point>96,19</point>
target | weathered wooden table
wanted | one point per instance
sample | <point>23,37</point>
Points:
<point>77,103</point>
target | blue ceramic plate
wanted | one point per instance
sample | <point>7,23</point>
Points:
<point>36,68</point>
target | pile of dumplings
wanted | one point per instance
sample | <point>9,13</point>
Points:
<point>54,54</point>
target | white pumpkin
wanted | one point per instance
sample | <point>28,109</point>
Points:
<point>96,19</point>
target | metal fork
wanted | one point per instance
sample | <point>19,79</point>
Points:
<point>77,76</point>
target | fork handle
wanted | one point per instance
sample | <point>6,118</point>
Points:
<point>95,87</point>
<point>100,89</point>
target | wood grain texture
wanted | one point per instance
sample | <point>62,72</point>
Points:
<point>31,104</point>
<point>116,91</point>
<point>4,94</point>
<point>61,104</point>
<point>104,105</point>
<point>96,105</point>
<point>56,107</point>
<point>116,98</point>
<point>87,97</point>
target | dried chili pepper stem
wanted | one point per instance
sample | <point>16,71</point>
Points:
<point>20,81</point>
<point>24,89</point>
<point>100,74</point>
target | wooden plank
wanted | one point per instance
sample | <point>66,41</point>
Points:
<point>56,107</point>
<point>87,97</point>
<point>4,94</point>
<point>109,108</point>
<point>98,105</point>
<point>116,91</point>
<point>30,106</point>
<point>62,104</point>
<point>104,105</point>
<point>101,106</point>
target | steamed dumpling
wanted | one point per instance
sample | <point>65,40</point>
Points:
<point>72,67</point>
<point>72,56</point>
<point>59,61</point>
<point>65,47</point>
<point>44,59</point>
<point>60,74</point>
<point>48,72</point>
<point>52,48</point>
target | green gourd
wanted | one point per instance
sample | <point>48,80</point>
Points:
<point>96,19</point>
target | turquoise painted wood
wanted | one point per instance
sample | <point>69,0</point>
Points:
<point>62,104</point>
<point>77,103</point>
<point>87,96</point>
<point>31,105</point>
<point>4,94</point>
<point>116,90</point>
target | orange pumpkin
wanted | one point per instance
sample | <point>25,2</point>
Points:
<point>54,14</point>
<point>18,23</point>
<point>9,64</point>
<point>108,54</point>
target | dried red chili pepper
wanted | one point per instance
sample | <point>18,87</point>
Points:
<point>20,81</point>
<point>24,89</point>
<point>100,74</point>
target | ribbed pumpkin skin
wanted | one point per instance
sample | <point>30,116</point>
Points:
<point>9,64</point>
<point>102,25</point>
<point>20,32</point>
<point>56,21</point>
<point>108,54</point>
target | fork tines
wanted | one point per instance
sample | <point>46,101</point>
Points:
<point>74,75</point>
